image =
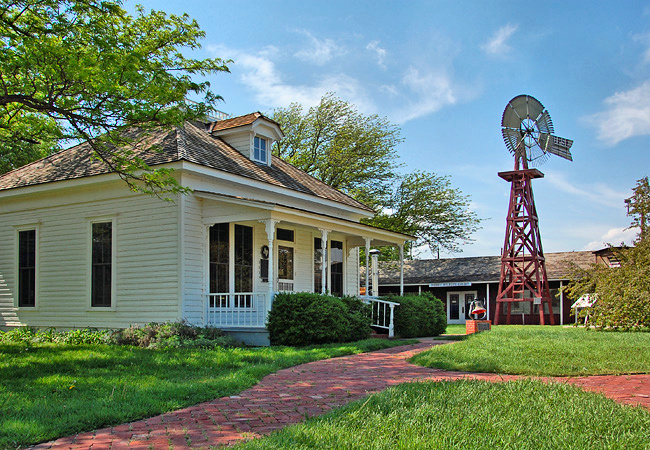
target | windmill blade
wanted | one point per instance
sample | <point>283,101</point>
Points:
<point>545,123</point>
<point>560,147</point>
<point>511,138</point>
<point>544,141</point>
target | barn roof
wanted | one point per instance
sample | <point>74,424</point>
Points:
<point>475,269</point>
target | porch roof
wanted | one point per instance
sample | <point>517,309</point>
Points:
<point>261,210</point>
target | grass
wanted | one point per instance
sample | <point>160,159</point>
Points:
<point>53,390</point>
<point>544,351</point>
<point>472,415</point>
<point>453,328</point>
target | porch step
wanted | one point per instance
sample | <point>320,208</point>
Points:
<point>376,335</point>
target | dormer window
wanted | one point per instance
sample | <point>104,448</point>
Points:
<point>259,150</point>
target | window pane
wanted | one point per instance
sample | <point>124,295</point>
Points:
<point>318,265</point>
<point>243,258</point>
<point>283,234</point>
<point>27,268</point>
<point>102,246</point>
<point>336,268</point>
<point>219,257</point>
<point>285,263</point>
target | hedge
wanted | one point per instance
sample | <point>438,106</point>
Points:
<point>419,315</point>
<point>304,318</point>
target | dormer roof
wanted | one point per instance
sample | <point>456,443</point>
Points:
<point>242,121</point>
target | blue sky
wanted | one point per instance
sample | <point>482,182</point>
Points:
<point>444,72</point>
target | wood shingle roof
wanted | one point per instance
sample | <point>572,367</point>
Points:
<point>474,269</point>
<point>190,143</point>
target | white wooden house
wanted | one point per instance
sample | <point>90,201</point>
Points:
<point>79,249</point>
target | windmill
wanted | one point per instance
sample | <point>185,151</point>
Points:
<point>528,133</point>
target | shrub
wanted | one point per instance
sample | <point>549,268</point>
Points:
<point>173,334</point>
<point>419,315</point>
<point>152,335</point>
<point>28,335</point>
<point>359,317</point>
<point>304,318</point>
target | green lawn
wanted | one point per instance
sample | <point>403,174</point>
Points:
<point>547,351</point>
<point>472,415</point>
<point>51,390</point>
<point>455,329</point>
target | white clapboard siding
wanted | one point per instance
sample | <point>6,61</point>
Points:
<point>351,271</point>
<point>240,141</point>
<point>194,260</point>
<point>145,271</point>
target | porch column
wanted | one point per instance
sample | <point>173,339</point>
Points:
<point>367,266</point>
<point>561,303</point>
<point>487,299</point>
<point>270,235</point>
<point>401,269</point>
<point>323,241</point>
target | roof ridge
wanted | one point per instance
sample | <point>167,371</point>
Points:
<point>181,142</point>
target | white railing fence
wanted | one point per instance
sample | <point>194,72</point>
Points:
<point>382,313</point>
<point>241,309</point>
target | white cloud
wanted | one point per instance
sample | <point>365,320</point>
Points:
<point>627,114</point>
<point>613,236</point>
<point>381,53</point>
<point>498,45</point>
<point>597,193</point>
<point>260,74</point>
<point>320,51</point>
<point>430,92</point>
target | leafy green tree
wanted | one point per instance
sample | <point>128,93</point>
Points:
<point>340,146</point>
<point>87,70</point>
<point>426,205</point>
<point>356,154</point>
<point>639,207</point>
<point>623,293</point>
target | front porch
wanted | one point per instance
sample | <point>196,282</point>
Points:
<point>254,250</point>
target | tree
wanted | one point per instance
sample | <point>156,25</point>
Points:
<point>425,205</point>
<point>623,292</point>
<point>86,70</point>
<point>341,147</point>
<point>639,207</point>
<point>356,154</point>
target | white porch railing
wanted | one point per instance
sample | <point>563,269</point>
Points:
<point>241,309</point>
<point>382,313</point>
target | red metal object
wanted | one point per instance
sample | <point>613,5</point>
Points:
<point>523,267</point>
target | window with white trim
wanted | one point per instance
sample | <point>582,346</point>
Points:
<point>27,268</point>
<point>260,150</point>
<point>101,264</point>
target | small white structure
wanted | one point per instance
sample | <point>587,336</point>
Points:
<point>585,301</point>
<point>79,249</point>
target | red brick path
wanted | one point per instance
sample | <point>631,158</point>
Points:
<point>291,395</point>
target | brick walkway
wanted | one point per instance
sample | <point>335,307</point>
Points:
<point>291,395</point>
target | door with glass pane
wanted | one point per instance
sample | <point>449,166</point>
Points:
<point>336,268</point>
<point>458,306</point>
<point>285,268</point>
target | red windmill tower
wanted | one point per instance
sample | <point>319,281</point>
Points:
<point>528,132</point>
